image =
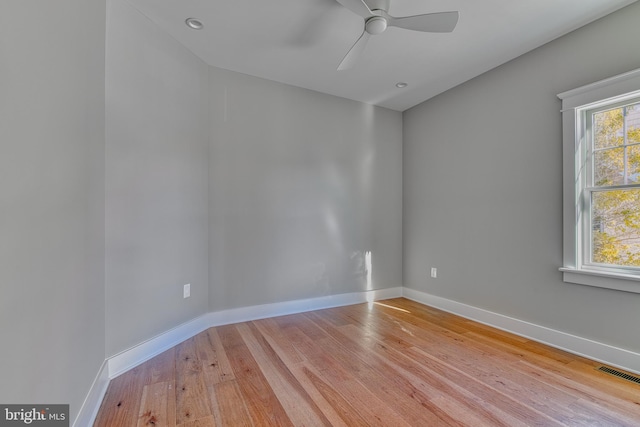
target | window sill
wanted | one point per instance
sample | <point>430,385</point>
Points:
<point>602,279</point>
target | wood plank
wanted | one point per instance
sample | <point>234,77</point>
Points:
<point>587,370</point>
<point>318,356</point>
<point>154,405</point>
<point>414,404</point>
<point>540,353</point>
<point>265,408</point>
<point>461,413</point>
<point>353,400</point>
<point>587,411</point>
<point>215,364</point>
<point>297,403</point>
<point>202,422</point>
<point>231,408</point>
<point>590,389</point>
<point>280,341</point>
<point>439,387</point>
<point>475,359</point>
<point>162,367</point>
<point>327,409</point>
<point>439,366</point>
<point>341,405</point>
<point>192,401</point>
<point>122,400</point>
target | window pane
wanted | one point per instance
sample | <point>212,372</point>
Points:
<point>633,124</point>
<point>608,168</point>
<point>615,227</point>
<point>608,128</point>
<point>633,164</point>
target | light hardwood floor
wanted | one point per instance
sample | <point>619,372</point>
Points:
<point>391,363</point>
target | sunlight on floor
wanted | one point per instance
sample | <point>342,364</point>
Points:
<point>390,306</point>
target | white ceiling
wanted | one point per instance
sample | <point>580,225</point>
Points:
<point>301,42</point>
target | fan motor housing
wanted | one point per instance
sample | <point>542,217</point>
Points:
<point>375,25</point>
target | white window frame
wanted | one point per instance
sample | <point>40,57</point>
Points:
<point>575,104</point>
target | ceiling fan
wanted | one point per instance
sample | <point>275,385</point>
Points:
<point>376,21</point>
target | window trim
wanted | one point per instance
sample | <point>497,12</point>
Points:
<point>574,103</point>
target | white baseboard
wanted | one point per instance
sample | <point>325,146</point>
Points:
<point>144,351</point>
<point>590,349</point>
<point>89,409</point>
<point>255,312</point>
<point>134,356</point>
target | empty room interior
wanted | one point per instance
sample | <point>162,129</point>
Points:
<point>321,212</point>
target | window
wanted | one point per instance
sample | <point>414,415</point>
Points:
<point>612,187</point>
<point>601,158</point>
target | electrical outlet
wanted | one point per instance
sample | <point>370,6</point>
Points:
<point>434,272</point>
<point>186,291</point>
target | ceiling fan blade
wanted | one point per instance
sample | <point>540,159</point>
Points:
<point>359,7</point>
<point>352,56</point>
<point>442,22</point>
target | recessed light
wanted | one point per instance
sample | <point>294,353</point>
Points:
<point>401,85</point>
<point>194,24</point>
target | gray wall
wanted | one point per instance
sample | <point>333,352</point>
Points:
<point>483,187</point>
<point>156,180</point>
<point>302,186</point>
<point>293,190</point>
<point>51,199</point>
